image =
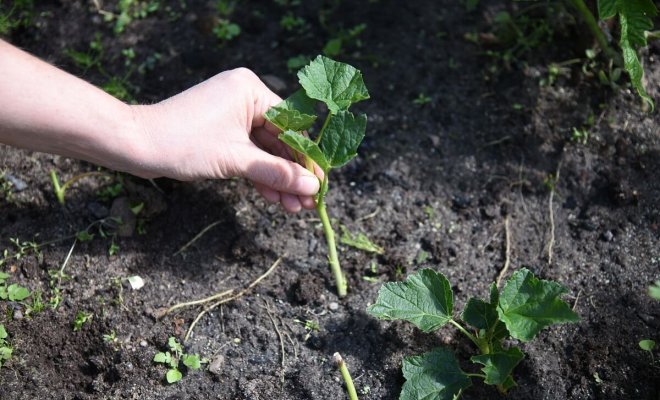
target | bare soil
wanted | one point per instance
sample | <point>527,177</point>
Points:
<point>433,185</point>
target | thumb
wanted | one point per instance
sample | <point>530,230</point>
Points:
<point>278,173</point>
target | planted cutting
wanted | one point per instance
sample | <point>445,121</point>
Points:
<point>519,311</point>
<point>339,86</point>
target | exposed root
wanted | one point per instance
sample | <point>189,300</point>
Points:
<point>226,299</point>
<point>507,251</point>
<point>551,211</point>
<point>280,337</point>
<point>196,238</point>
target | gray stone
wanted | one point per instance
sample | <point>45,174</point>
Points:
<point>217,364</point>
<point>17,183</point>
<point>124,219</point>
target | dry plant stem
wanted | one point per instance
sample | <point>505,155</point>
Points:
<point>352,394</point>
<point>197,237</point>
<point>228,299</point>
<point>196,302</point>
<point>66,261</point>
<point>551,211</point>
<point>279,336</point>
<point>507,251</point>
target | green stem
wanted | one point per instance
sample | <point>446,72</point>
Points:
<point>465,332</point>
<point>352,394</point>
<point>325,125</point>
<point>59,193</point>
<point>477,376</point>
<point>333,260</point>
<point>595,30</point>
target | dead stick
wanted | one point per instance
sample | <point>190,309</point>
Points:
<point>551,242</point>
<point>507,251</point>
<point>279,335</point>
<point>228,299</point>
<point>196,238</point>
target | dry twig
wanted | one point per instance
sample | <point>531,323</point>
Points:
<point>507,251</point>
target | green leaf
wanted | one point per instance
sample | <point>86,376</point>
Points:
<point>163,358</point>
<point>425,299</point>
<point>3,332</point>
<point>5,353</point>
<point>336,84</point>
<point>173,375</point>
<point>635,17</point>
<point>342,137</point>
<point>174,345</point>
<point>17,293</point>
<point>359,241</point>
<point>480,314</point>
<point>528,305</point>
<point>434,376</point>
<point>654,290</point>
<point>305,146</point>
<point>498,366</point>
<point>606,8</point>
<point>296,113</point>
<point>3,292</point>
<point>191,361</point>
<point>647,344</point>
<point>3,277</point>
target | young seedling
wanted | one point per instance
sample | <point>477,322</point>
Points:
<point>338,85</point>
<point>60,189</point>
<point>81,319</point>
<point>648,345</point>
<point>171,359</point>
<point>12,292</point>
<point>520,311</point>
<point>5,348</point>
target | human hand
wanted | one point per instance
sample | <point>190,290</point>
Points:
<point>216,129</point>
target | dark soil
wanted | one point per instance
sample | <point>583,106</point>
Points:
<point>433,185</point>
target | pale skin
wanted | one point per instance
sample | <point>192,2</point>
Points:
<point>214,130</point>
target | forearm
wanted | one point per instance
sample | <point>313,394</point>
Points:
<point>45,109</point>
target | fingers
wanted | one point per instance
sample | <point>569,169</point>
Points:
<point>276,173</point>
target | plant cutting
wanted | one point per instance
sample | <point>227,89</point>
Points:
<point>519,311</point>
<point>339,86</point>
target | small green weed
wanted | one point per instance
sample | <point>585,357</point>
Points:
<point>173,357</point>
<point>12,292</point>
<point>225,30</point>
<point>5,348</point>
<point>422,100</point>
<point>359,241</point>
<point>81,319</point>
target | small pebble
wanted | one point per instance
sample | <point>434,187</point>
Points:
<point>18,183</point>
<point>217,364</point>
<point>333,306</point>
<point>143,343</point>
<point>608,236</point>
<point>18,314</point>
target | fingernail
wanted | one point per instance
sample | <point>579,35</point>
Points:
<point>307,185</point>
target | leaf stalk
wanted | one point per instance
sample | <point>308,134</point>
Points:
<point>592,24</point>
